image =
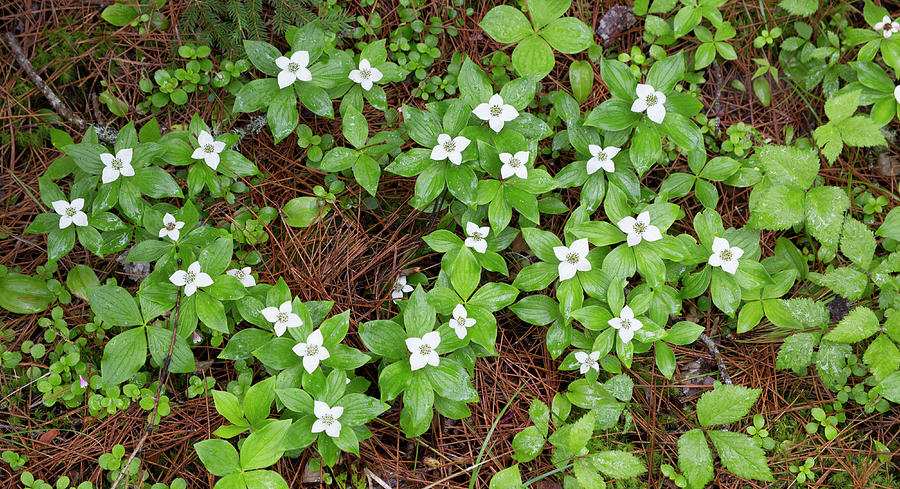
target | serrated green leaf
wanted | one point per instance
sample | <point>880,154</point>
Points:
<point>857,325</point>
<point>741,456</point>
<point>725,404</point>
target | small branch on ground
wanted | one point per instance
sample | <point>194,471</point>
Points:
<point>714,351</point>
<point>163,375</point>
<point>106,135</point>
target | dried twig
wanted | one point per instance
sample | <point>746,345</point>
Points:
<point>163,374</point>
<point>714,351</point>
<point>106,135</point>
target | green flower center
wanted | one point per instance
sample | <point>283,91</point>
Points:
<point>293,67</point>
<point>365,74</point>
<point>640,227</point>
<point>651,99</point>
<point>282,317</point>
<point>450,146</point>
<point>626,324</point>
<point>461,322</point>
<point>726,255</point>
<point>514,163</point>
<point>209,148</point>
<point>312,350</point>
<point>602,156</point>
<point>70,211</point>
<point>328,419</point>
<point>117,164</point>
<point>496,110</point>
<point>572,258</point>
<point>240,275</point>
<point>189,277</point>
<point>170,226</point>
<point>425,350</point>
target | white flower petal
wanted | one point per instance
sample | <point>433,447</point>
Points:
<point>561,252</point>
<point>212,160</point>
<point>198,154</point>
<point>461,143</point>
<point>78,204</point>
<point>455,157</point>
<point>127,170</point>
<point>652,233</point>
<point>459,311</point>
<point>730,266</point>
<point>375,75</point>
<point>566,270</point>
<point>581,356</point>
<point>333,430</point>
<point>719,244</point>
<point>80,219</point>
<point>64,221</point>
<point>320,409</point>
<point>179,278</point>
<point>626,313</point>
<point>304,74</point>
<point>496,99</point>
<point>280,328</point>
<point>508,113</point>
<point>125,155</point>
<point>633,239</point>
<point>483,111</point>
<point>203,280</point>
<point>626,335</point>
<point>282,62</point>
<point>626,224</point>
<point>204,138</point>
<point>715,260</point>
<point>642,90</point>
<point>310,363</point>
<point>417,361</point>
<point>580,246</point>
<point>496,124</point>
<point>656,113</point>
<point>315,338</point>
<point>107,158</point>
<point>189,289</point>
<point>639,105</point>
<point>109,174</point>
<point>365,84</point>
<point>60,206</point>
<point>471,228</point>
<point>301,58</point>
<point>318,426</point>
<point>736,253</point>
<point>270,313</point>
<point>286,78</point>
<point>506,171</point>
<point>432,339</point>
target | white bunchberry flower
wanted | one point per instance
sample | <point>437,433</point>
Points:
<point>312,351</point>
<point>460,321</point>
<point>70,212</point>
<point>650,100</point>
<point>897,93</point>
<point>327,419</point>
<point>171,227</point>
<point>191,279</point>
<point>476,237</point>
<point>496,112</point>
<point>887,27</point>
<point>724,255</point>
<point>293,69</point>
<point>588,361</point>
<point>423,351</point>
<point>626,324</point>
<point>366,75</point>
<point>400,288</point>
<point>82,382</point>
<point>243,275</point>
<point>602,158</point>
<point>514,164</point>
<point>282,317</point>
<point>114,166</point>
<point>209,150</point>
<point>639,229</point>
<point>449,148</point>
<point>572,259</point>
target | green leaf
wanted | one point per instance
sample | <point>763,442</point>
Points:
<point>22,294</point>
<point>543,12</point>
<point>367,173</point>
<point>858,243</point>
<point>843,106</point>
<point>218,456</point>
<point>265,479</point>
<point>263,56</point>
<point>845,281</point>
<point>417,407</point>
<point>581,432</point>
<point>494,296</point>
<point>695,458</point>
<point>725,404</point>
<point>803,8</point>
<point>302,212</point>
<point>775,206</point>
<point>861,131</point>
<point>825,209</point>
<point>228,405</point>
<point>317,100</point>
<point>882,357</point>
<point>451,381</point>
<point>382,337</point>
<point>646,146</point>
<point>533,57</point>
<point>465,274</point>
<point>536,309</point>
<point>618,464</point>
<point>506,24</point>
<point>123,356</point>
<point>159,340</point>
<point>741,456</point>
<point>114,305</point>
<point>796,353</point>
<point>857,325</point>
<point>119,14</point>
<point>264,447</point>
<point>355,127</point>
<point>283,114</point>
<point>568,35</point>
<point>789,164</point>
<point>664,74</point>
<point>542,243</point>
<point>508,478</point>
<point>891,226</point>
<point>528,444</point>
<point>581,79</point>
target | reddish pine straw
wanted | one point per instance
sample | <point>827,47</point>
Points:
<point>353,256</point>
